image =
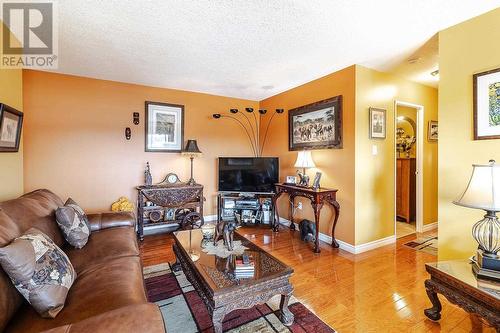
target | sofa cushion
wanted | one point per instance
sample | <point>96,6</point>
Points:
<point>103,246</point>
<point>40,270</point>
<point>33,210</point>
<point>74,224</point>
<point>101,288</point>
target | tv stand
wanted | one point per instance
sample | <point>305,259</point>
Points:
<point>251,208</point>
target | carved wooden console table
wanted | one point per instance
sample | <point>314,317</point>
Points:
<point>456,281</point>
<point>155,202</point>
<point>214,277</point>
<point>317,197</point>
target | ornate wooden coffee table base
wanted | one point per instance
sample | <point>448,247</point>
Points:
<point>455,281</point>
<point>225,300</point>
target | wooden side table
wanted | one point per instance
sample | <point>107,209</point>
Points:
<point>166,196</point>
<point>317,197</point>
<point>456,281</point>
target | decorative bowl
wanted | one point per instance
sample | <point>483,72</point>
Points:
<point>208,231</point>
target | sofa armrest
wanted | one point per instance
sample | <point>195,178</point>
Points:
<point>132,318</point>
<point>111,220</point>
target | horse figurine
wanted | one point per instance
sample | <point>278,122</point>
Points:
<point>225,229</point>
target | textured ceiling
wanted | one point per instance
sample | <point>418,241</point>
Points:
<point>249,48</point>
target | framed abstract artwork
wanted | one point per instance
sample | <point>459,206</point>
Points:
<point>377,123</point>
<point>316,126</point>
<point>11,123</point>
<point>487,105</point>
<point>164,127</point>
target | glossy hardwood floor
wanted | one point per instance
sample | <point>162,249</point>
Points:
<point>377,291</point>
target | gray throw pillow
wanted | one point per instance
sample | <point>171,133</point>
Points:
<point>39,270</point>
<point>73,223</point>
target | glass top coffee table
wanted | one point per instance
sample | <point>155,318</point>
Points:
<point>220,284</point>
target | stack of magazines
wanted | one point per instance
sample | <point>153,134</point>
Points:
<point>245,267</point>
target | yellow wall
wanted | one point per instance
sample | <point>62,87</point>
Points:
<point>75,143</point>
<point>375,175</point>
<point>337,165</point>
<point>11,164</point>
<point>464,49</point>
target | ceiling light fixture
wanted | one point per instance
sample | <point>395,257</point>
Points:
<point>435,73</point>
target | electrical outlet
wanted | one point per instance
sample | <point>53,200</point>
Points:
<point>299,205</point>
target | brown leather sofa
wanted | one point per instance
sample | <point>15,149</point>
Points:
<point>108,294</point>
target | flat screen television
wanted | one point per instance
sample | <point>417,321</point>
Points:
<point>248,174</point>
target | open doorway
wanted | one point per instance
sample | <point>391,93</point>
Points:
<point>408,145</point>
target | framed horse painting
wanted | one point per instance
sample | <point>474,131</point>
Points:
<point>316,126</point>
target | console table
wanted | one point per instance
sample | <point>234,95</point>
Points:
<point>456,281</point>
<point>317,197</point>
<point>179,196</point>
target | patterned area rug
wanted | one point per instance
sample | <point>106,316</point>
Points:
<point>424,244</point>
<point>184,311</point>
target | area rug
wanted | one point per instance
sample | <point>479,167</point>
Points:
<point>183,310</point>
<point>424,244</point>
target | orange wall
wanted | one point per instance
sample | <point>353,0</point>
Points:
<point>337,165</point>
<point>75,145</point>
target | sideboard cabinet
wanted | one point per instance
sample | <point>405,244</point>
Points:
<point>406,189</point>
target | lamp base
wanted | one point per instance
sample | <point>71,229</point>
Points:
<point>486,266</point>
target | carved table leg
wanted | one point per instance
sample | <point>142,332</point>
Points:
<point>276,216</point>
<point>433,313</point>
<point>292,211</point>
<point>217,317</point>
<point>336,206</point>
<point>286,316</point>
<point>317,211</point>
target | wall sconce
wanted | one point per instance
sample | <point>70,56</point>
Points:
<point>136,118</point>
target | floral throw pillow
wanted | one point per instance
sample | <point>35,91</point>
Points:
<point>73,223</point>
<point>39,270</point>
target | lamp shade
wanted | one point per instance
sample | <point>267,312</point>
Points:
<point>191,148</point>
<point>483,190</point>
<point>304,160</point>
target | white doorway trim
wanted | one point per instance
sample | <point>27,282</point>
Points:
<point>420,163</point>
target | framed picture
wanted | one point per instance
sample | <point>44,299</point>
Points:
<point>316,126</point>
<point>487,105</point>
<point>164,127</point>
<point>432,130</point>
<point>377,123</point>
<point>170,214</point>
<point>11,123</point>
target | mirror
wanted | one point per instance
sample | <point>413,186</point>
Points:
<point>405,136</point>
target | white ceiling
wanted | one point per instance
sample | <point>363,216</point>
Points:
<point>247,48</point>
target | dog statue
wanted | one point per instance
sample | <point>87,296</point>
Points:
<point>225,229</point>
<point>307,231</point>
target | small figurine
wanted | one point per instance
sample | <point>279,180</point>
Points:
<point>148,179</point>
<point>225,229</point>
<point>307,231</point>
<point>303,179</point>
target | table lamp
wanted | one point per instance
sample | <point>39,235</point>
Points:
<point>483,192</point>
<point>192,151</point>
<point>304,160</point>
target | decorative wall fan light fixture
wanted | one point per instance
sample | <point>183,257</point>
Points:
<point>252,128</point>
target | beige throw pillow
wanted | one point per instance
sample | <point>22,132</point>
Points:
<point>39,270</point>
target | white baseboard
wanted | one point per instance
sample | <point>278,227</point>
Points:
<point>430,226</point>
<point>355,249</point>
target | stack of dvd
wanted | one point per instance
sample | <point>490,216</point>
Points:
<point>245,267</point>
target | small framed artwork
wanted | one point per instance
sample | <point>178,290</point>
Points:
<point>316,126</point>
<point>432,130</point>
<point>170,214</point>
<point>11,123</point>
<point>487,105</point>
<point>377,123</point>
<point>164,127</point>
